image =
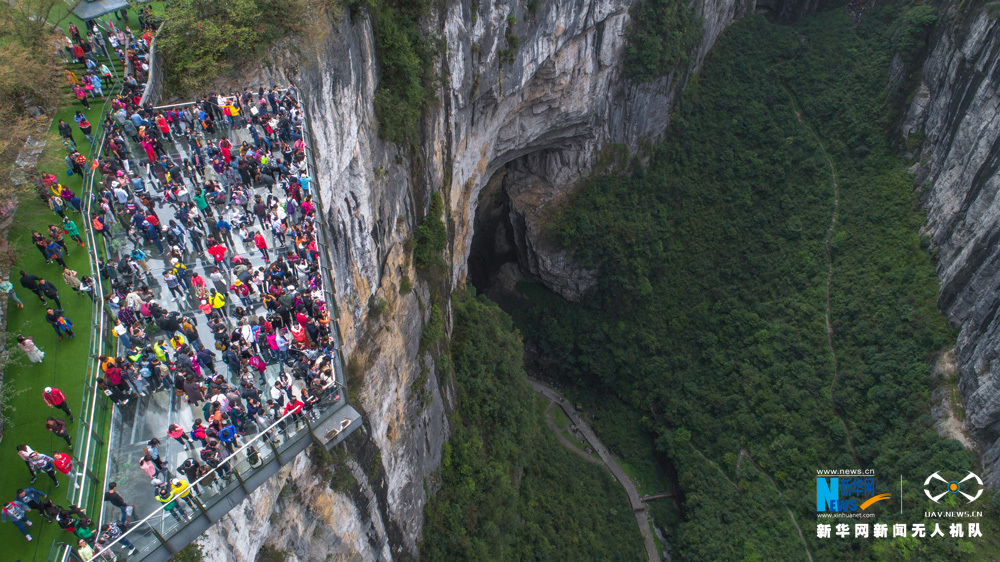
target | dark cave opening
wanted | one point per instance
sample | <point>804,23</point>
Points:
<point>493,244</point>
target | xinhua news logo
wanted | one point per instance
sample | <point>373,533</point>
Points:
<point>846,495</point>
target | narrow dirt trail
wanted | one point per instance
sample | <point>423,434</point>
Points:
<point>638,508</point>
<point>829,273</point>
<point>802,537</point>
<point>717,467</point>
<point>562,438</point>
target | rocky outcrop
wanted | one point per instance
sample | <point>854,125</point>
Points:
<point>955,115</point>
<point>298,513</point>
<point>540,112</point>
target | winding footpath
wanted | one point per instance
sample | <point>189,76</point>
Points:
<point>638,508</point>
<point>829,273</point>
<point>802,537</point>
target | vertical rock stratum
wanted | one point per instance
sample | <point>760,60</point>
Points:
<point>953,120</point>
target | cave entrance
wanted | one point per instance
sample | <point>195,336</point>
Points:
<point>513,228</point>
<point>493,246</point>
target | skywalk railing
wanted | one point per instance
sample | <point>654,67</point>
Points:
<point>86,489</point>
<point>156,529</point>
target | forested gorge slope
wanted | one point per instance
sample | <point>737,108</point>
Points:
<point>509,489</point>
<point>708,318</point>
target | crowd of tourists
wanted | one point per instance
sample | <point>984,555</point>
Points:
<point>211,280</point>
<point>208,324</point>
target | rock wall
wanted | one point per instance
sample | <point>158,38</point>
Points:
<point>297,513</point>
<point>546,113</point>
<point>954,120</point>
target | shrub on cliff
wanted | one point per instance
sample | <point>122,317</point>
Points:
<point>203,39</point>
<point>661,36</point>
<point>431,237</point>
<point>405,58</point>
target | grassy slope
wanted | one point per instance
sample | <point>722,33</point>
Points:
<point>65,361</point>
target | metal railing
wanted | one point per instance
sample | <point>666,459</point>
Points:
<point>87,489</point>
<point>144,534</point>
<point>321,240</point>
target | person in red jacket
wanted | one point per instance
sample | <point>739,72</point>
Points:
<point>294,407</point>
<point>56,399</point>
<point>164,127</point>
<point>116,377</point>
<point>218,251</point>
<point>261,244</point>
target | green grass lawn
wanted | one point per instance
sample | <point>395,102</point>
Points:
<point>559,417</point>
<point>66,362</point>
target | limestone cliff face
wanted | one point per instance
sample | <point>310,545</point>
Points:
<point>546,113</point>
<point>541,116</point>
<point>297,512</point>
<point>956,112</point>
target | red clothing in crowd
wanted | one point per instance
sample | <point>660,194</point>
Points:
<point>54,398</point>
<point>218,252</point>
<point>294,407</point>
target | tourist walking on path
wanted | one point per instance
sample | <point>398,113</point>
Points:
<point>114,498</point>
<point>34,499</point>
<point>85,127</point>
<point>59,323</point>
<point>17,513</point>
<point>25,452</point>
<point>84,550</point>
<point>66,131</point>
<point>49,290</point>
<point>56,399</point>
<point>58,428</point>
<point>261,244</point>
<point>81,95</point>
<point>177,432</point>
<point>112,532</point>
<point>7,287</point>
<point>70,228</point>
<point>182,489</point>
<point>30,282</point>
<point>29,348</point>
<point>170,504</point>
<point>56,252</point>
<point>43,463</point>
<point>69,276</point>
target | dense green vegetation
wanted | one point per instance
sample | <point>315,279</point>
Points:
<point>509,489</point>
<point>661,37</point>
<point>708,318</point>
<point>204,39</point>
<point>431,237</point>
<point>406,71</point>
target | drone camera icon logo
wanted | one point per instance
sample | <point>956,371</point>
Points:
<point>954,487</point>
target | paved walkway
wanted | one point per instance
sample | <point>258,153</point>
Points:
<point>144,418</point>
<point>566,442</point>
<point>638,508</point>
